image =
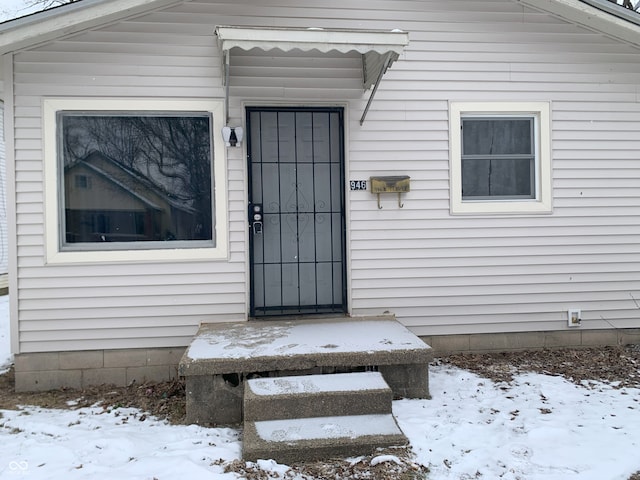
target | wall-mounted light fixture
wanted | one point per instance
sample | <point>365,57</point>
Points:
<point>232,136</point>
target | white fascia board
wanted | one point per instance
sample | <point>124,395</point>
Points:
<point>586,15</point>
<point>68,19</point>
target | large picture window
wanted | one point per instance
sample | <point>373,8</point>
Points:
<point>139,177</point>
<point>500,158</point>
<point>135,178</point>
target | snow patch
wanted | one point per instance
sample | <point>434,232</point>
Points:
<point>385,458</point>
<point>341,382</point>
<point>326,428</point>
<point>298,338</point>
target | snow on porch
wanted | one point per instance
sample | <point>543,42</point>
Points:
<point>303,337</point>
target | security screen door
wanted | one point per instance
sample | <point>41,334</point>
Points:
<point>296,178</point>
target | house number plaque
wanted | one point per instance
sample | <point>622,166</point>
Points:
<point>358,184</point>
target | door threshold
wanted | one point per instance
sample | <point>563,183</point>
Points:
<point>299,317</point>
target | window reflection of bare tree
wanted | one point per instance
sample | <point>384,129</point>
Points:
<point>168,151</point>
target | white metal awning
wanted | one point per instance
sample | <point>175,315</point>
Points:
<point>379,49</point>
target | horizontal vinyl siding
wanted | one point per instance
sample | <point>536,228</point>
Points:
<point>4,236</point>
<point>474,274</point>
<point>438,273</point>
<point>78,307</point>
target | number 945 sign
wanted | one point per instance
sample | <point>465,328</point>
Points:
<point>358,184</point>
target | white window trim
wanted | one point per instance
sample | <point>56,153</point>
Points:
<point>54,254</point>
<point>542,202</point>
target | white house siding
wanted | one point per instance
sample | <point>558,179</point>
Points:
<point>4,238</point>
<point>440,274</point>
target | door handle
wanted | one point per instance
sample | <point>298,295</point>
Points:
<point>255,218</point>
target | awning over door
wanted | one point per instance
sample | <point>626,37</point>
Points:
<point>378,49</point>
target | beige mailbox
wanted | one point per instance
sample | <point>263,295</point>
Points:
<point>390,184</point>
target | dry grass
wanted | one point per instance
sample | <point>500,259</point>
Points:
<point>619,366</point>
<point>165,400</point>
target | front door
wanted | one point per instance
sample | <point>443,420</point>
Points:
<point>296,182</point>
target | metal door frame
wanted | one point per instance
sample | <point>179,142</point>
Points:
<point>278,108</point>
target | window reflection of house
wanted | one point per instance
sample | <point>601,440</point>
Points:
<point>107,202</point>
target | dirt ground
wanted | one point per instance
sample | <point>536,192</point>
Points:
<point>619,366</point>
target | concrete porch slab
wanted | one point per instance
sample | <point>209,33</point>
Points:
<point>258,346</point>
<point>223,355</point>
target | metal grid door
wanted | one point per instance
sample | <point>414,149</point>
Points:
<point>296,181</point>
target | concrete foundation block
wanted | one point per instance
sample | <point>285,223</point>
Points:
<point>139,375</point>
<point>407,381</point>
<point>164,356</point>
<point>630,336</point>
<point>34,362</point>
<point>506,341</point>
<point>48,380</point>
<point>489,342</point>
<point>125,358</point>
<point>448,343</point>
<point>104,376</point>
<point>570,338</point>
<point>599,337</point>
<point>212,400</point>
<point>81,359</point>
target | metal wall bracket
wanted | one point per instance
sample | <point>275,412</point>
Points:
<point>400,204</point>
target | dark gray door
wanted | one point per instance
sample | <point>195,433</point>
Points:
<point>296,177</point>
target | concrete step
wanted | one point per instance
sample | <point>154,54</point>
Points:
<point>306,396</point>
<point>307,439</point>
<point>223,355</point>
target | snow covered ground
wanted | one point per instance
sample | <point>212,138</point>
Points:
<point>538,427</point>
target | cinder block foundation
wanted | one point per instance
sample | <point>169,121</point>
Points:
<point>518,341</point>
<point>80,369</point>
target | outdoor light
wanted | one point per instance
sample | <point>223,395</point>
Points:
<point>232,136</point>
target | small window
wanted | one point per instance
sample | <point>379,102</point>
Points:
<point>500,158</point>
<point>82,181</point>
<point>135,177</point>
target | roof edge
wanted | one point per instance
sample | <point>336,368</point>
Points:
<point>593,15</point>
<point>615,10</point>
<point>67,19</point>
